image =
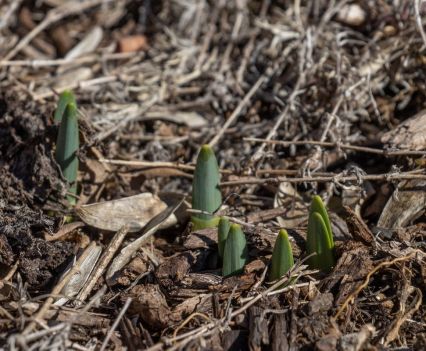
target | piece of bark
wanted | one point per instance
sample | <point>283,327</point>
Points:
<point>410,134</point>
<point>234,340</point>
<point>258,329</point>
<point>279,338</point>
<point>357,227</point>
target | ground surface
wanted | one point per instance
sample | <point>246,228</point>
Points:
<point>339,85</point>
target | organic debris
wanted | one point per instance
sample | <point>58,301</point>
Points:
<point>294,99</point>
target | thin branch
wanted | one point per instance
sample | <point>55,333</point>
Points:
<point>336,178</point>
<point>386,153</point>
<point>75,61</point>
<point>243,103</point>
<point>103,262</point>
<point>114,326</point>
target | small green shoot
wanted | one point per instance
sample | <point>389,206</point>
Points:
<point>282,257</point>
<point>67,147</point>
<point>65,98</point>
<point>222,234</point>
<point>235,253</point>
<point>320,237</point>
<point>206,195</point>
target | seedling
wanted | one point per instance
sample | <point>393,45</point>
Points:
<point>320,237</point>
<point>66,148</point>
<point>206,194</point>
<point>65,98</point>
<point>282,257</point>
<point>235,253</point>
<point>222,234</point>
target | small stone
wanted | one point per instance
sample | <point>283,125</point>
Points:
<point>352,14</point>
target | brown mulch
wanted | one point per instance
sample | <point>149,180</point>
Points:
<point>296,97</point>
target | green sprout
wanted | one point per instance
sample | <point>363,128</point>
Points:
<point>206,194</point>
<point>222,234</point>
<point>282,257</point>
<point>65,98</point>
<point>66,148</point>
<point>320,237</point>
<point>235,254</point>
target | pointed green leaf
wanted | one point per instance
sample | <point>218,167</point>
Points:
<point>222,234</point>
<point>318,206</point>
<point>206,195</point>
<point>235,253</point>
<point>65,98</point>
<point>318,242</point>
<point>67,146</point>
<point>282,257</point>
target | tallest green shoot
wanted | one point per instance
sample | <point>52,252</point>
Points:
<point>206,195</point>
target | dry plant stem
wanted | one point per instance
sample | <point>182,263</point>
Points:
<point>187,320</point>
<point>419,21</point>
<point>148,164</point>
<point>114,326</point>
<point>386,153</point>
<point>403,315</point>
<point>76,61</point>
<point>103,262</point>
<point>14,5</point>
<point>39,334</point>
<point>355,293</point>
<point>244,102</point>
<point>11,272</point>
<point>57,289</point>
<point>335,178</point>
<point>125,121</point>
<point>54,15</point>
<point>81,84</point>
<point>186,167</point>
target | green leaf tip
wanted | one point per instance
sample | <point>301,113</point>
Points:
<point>206,195</point>
<point>65,98</point>
<point>235,254</point>
<point>318,206</point>
<point>222,234</point>
<point>319,243</point>
<point>67,146</point>
<point>282,257</point>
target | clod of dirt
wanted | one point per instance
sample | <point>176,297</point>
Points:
<point>42,261</point>
<point>26,147</point>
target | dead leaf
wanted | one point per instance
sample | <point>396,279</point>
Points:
<point>150,228</point>
<point>89,43</point>
<point>136,211</point>
<point>406,204</point>
<point>77,281</point>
